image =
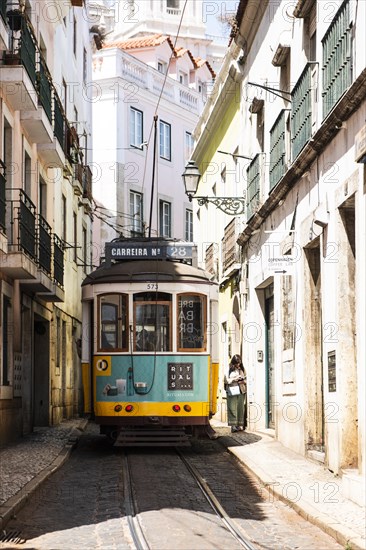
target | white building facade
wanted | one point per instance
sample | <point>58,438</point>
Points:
<point>301,79</point>
<point>136,18</point>
<point>45,209</point>
<point>147,101</point>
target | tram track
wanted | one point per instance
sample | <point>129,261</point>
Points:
<point>132,511</point>
<point>131,508</point>
<point>229,524</point>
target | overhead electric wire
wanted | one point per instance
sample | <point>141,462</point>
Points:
<point>161,92</point>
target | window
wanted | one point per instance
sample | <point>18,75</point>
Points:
<point>191,323</point>
<point>189,226</point>
<point>189,145</point>
<point>162,66</point>
<point>172,4</point>
<point>165,140</point>
<point>27,174</point>
<point>113,322</point>
<point>136,128</point>
<point>152,321</point>
<point>136,213</point>
<point>165,219</point>
<point>183,78</point>
<point>42,197</point>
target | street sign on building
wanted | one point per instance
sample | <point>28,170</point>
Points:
<point>281,264</point>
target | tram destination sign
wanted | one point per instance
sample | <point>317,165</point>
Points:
<point>120,251</point>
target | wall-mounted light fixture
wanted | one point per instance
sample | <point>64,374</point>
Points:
<point>230,205</point>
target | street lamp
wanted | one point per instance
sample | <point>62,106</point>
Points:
<point>191,177</point>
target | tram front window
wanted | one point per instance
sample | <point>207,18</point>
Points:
<point>152,313</point>
<point>113,322</point>
<point>191,322</point>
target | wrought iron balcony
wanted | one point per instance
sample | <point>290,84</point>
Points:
<point>277,150</point>
<point>23,45</point>
<point>2,197</point>
<point>254,177</point>
<point>58,260</point>
<point>44,245</point>
<point>25,217</point>
<point>337,58</point>
<point>59,120</point>
<point>301,112</point>
<point>44,88</point>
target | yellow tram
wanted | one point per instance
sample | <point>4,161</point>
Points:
<point>150,342</point>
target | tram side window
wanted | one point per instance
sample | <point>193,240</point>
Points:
<point>191,322</point>
<point>152,326</point>
<point>113,322</point>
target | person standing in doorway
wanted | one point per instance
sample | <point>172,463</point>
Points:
<point>236,393</point>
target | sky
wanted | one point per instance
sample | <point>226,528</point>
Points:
<point>212,9</point>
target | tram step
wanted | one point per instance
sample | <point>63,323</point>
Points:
<point>155,438</point>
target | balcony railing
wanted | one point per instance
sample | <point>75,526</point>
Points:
<point>253,185</point>
<point>277,157</point>
<point>173,11</point>
<point>23,45</point>
<point>44,244</point>
<point>337,58</point>
<point>26,218</point>
<point>58,120</point>
<point>301,114</point>
<point>44,89</point>
<point>229,246</point>
<point>58,260</point>
<point>2,196</point>
<point>28,51</point>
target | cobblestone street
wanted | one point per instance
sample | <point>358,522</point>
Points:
<point>81,506</point>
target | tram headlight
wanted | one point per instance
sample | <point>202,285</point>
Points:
<point>129,408</point>
<point>176,408</point>
<point>118,408</point>
<point>187,408</point>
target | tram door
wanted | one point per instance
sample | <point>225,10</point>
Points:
<point>270,379</point>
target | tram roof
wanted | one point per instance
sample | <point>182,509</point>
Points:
<point>142,270</point>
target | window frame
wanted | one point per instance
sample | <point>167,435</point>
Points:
<point>189,222</point>
<point>163,202</point>
<point>163,146</point>
<point>157,302</point>
<point>204,328</point>
<point>188,145</point>
<point>134,221</point>
<point>122,296</point>
<point>134,112</point>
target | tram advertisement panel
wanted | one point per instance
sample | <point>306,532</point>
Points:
<point>151,378</point>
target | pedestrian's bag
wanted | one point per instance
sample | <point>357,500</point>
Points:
<point>233,390</point>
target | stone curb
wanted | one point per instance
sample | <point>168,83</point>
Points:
<point>15,503</point>
<point>343,535</point>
